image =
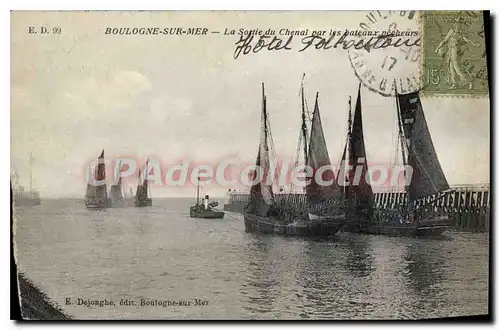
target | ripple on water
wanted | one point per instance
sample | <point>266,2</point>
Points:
<point>161,253</point>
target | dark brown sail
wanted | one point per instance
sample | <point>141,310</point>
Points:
<point>101,191</point>
<point>142,188</point>
<point>261,194</point>
<point>428,177</point>
<point>357,157</point>
<point>317,158</point>
<point>96,195</point>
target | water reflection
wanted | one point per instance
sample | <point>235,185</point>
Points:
<point>260,287</point>
<point>162,253</point>
<point>425,269</point>
<point>312,278</point>
<point>318,279</point>
<point>359,260</point>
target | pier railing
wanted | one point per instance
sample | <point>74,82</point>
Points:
<point>21,194</point>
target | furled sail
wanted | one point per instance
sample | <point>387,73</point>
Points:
<point>357,157</point>
<point>317,159</point>
<point>428,177</point>
<point>261,193</point>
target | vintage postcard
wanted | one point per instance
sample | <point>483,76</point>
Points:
<point>176,165</point>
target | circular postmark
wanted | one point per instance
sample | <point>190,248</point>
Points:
<point>389,61</point>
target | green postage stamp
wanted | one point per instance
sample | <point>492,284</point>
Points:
<point>454,53</point>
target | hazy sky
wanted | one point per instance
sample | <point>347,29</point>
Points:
<point>177,97</point>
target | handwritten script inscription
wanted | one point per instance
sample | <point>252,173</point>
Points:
<point>251,44</point>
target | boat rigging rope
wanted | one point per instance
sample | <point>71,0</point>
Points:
<point>301,139</point>
<point>346,140</point>
<point>394,125</point>
<point>228,215</point>
<point>297,157</point>
<point>273,153</point>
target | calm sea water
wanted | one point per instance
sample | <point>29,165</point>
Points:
<point>161,253</point>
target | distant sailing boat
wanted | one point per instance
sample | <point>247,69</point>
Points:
<point>205,208</point>
<point>115,193</point>
<point>141,196</point>
<point>96,197</point>
<point>325,203</point>
<point>357,190</point>
<point>262,214</point>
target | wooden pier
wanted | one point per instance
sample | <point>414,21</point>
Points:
<point>467,205</point>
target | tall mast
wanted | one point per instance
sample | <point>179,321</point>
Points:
<point>148,188</point>
<point>138,193</point>
<point>264,113</point>
<point>402,142</point>
<point>198,191</point>
<point>401,133</point>
<point>304,126</point>
<point>349,139</point>
<point>31,170</point>
<point>348,144</point>
<point>349,123</point>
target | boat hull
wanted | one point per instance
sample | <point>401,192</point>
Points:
<point>307,227</point>
<point>118,203</point>
<point>207,215</point>
<point>98,203</point>
<point>196,212</point>
<point>430,226</point>
<point>143,202</point>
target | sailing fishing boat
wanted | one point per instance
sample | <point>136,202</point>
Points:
<point>262,214</point>
<point>115,192</point>
<point>96,197</point>
<point>205,208</point>
<point>141,196</point>
<point>415,217</point>
<point>325,203</point>
<point>418,215</point>
<point>357,188</point>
